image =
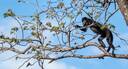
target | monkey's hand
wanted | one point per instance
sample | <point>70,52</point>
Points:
<point>83,29</point>
<point>77,26</point>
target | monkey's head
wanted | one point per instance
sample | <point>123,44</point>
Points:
<point>86,21</point>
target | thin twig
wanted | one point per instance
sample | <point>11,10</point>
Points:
<point>110,16</point>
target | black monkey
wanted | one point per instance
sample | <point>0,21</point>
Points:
<point>99,29</point>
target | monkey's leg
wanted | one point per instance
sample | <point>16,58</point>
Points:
<point>111,46</point>
<point>110,41</point>
<point>81,28</point>
<point>101,42</point>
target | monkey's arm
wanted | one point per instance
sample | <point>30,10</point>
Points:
<point>81,28</point>
<point>78,26</point>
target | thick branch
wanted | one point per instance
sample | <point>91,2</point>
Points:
<point>122,56</point>
<point>84,45</point>
<point>104,54</point>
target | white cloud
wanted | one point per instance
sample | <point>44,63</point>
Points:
<point>9,62</point>
<point>59,65</point>
<point>14,64</point>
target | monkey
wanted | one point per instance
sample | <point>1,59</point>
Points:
<point>99,29</point>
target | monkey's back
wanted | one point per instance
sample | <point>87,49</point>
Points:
<point>96,28</point>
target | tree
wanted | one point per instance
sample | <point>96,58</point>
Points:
<point>50,30</point>
<point>124,8</point>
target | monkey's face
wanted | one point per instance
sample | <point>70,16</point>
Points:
<point>86,23</point>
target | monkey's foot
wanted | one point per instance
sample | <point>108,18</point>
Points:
<point>101,58</point>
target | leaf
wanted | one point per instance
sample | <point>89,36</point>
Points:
<point>33,27</point>
<point>49,24</point>
<point>61,24</point>
<point>108,26</point>
<point>34,33</point>
<point>25,28</point>
<point>90,13</point>
<point>70,16</point>
<point>55,28</point>
<point>60,5</point>
<point>9,13</point>
<point>14,30</point>
<point>14,40</point>
<point>33,49</point>
<point>30,40</point>
<point>111,26</point>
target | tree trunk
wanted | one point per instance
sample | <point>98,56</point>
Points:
<point>123,6</point>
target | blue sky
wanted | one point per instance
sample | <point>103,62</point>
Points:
<point>107,63</point>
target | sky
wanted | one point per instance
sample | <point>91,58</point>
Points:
<point>69,63</point>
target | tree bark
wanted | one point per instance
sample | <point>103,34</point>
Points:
<point>123,6</point>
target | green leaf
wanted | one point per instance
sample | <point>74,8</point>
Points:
<point>9,13</point>
<point>30,40</point>
<point>33,49</point>
<point>25,28</point>
<point>61,25</point>
<point>14,30</point>
<point>49,24</point>
<point>60,5</point>
<point>111,26</point>
<point>70,16</point>
<point>34,33</point>
<point>55,28</point>
<point>33,27</point>
<point>14,40</point>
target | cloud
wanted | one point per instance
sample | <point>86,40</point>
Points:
<point>14,64</point>
<point>11,64</point>
<point>59,65</point>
